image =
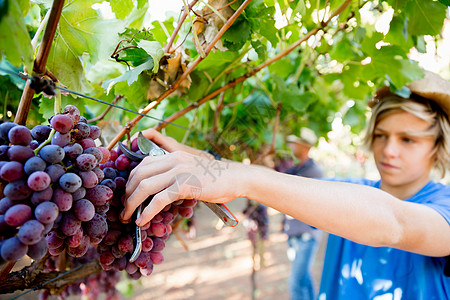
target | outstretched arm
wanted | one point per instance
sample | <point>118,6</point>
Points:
<point>363,214</point>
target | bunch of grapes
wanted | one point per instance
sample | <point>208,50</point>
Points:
<point>257,222</point>
<point>52,199</point>
<point>89,287</point>
<point>118,244</point>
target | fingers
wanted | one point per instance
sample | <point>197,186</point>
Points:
<point>145,188</point>
<point>157,204</point>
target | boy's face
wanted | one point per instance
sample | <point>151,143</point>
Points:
<point>403,159</point>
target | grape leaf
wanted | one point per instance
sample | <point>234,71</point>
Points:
<point>237,35</point>
<point>15,42</point>
<point>155,50</point>
<point>136,93</point>
<point>425,17</point>
<point>130,76</point>
<point>121,8</point>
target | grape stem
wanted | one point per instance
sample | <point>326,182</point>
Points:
<point>52,133</point>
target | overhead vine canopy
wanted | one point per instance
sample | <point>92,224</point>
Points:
<point>225,82</point>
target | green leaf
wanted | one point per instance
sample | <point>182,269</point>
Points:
<point>121,8</point>
<point>130,76</point>
<point>283,68</point>
<point>136,93</point>
<point>261,20</point>
<point>155,50</point>
<point>15,42</point>
<point>217,59</point>
<point>425,17</point>
<point>237,35</point>
<point>158,31</point>
<point>135,56</point>
<point>260,49</point>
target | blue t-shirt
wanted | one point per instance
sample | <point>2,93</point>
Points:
<point>358,272</point>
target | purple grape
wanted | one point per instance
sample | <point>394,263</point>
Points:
<point>120,183</point>
<point>73,112</point>
<point>12,171</point>
<point>5,203</point>
<point>4,152</point>
<point>73,150</point>
<point>31,232</point>
<point>70,224</point>
<point>42,196</point>
<point>156,257</point>
<point>20,153</point>
<point>186,212</point>
<point>106,258</point>
<point>99,195</point>
<point>96,152</point>
<point>80,131</point>
<point>106,154</point>
<point>61,123</point>
<point>84,210</point>
<point>38,250</point>
<point>41,132</point>
<point>147,244</point>
<point>55,172</point>
<point>109,183</point>
<point>143,260</point>
<point>95,132</point>
<point>158,229</point>
<point>112,237</point>
<point>79,194</point>
<point>70,182</point>
<point>97,227</point>
<point>46,212</point>
<point>99,173</point>
<point>34,164</point>
<point>34,145</point>
<point>86,162</point>
<point>52,153</point>
<point>56,251</point>
<point>76,239</point>
<point>13,249</point>
<point>120,263</point>
<point>158,244</point>
<point>20,135</point>
<point>17,190</point>
<point>62,199</point>
<point>81,250</point>
<point>4,130</point>
<point>146,271</point>
<point>87,143</point>
<point>39,181</point>
<point>53,240</point>
<point>61,139</point>
<point>122,162</point>
<point>125,243</point>
<point>109,173</point>
<point>89,179</point>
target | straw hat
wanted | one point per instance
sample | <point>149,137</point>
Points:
<point>307,137</point>
<point>432,87</point>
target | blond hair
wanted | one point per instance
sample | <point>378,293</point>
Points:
<point>423,109</point>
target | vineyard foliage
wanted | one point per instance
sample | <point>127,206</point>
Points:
<point>107,49</point>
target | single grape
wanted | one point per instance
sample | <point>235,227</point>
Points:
<point>55,172</point>
<point>84,210</point>
<point>20,153</point>
<point>61,123</point>
<point>158,244</point>
<point>62,199</point>
<point>158,229</point>
<point>112,237</point>
<point>156,257</point>
<point>20,135</point>
<point>79,194</point>
<point>97,227</point>
<point>61,139</point>
<point>4,152</point>
<point>109,183</point>
<point>99,195</point>
<point>143,260</point>
<point>73,150</point>
<point>34,164</point>
<point>89,179</point>
<point>122,162</point>
<point>110,173</point>
<point>147,244</point>
<point>99,173</point>
<point>31,232</point>
<point>80,131</point>
<point>46,212</point>
<point>106,258</point>
<point>5,203</point>
<point>17,190</point>
<point>125,243</point>
<point>70,224</point>
<point>81,250</point>
<point>39,181</point>
<point>86,162</point>
<point>70,182</point>
<point>12,171</point>
<point>42,196</point>
<point>87,143</point>
<point>96,152</point>
<point>106,154</point>
<point>41,132</point>
<point>53,240</point>
<point>13,249</point>
<point>76,239</point>
<point>52,153</point>
<point>95,132</point>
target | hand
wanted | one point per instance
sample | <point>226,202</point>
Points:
<point>180,175</point>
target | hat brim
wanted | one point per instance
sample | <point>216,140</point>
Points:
<point>432,87</point>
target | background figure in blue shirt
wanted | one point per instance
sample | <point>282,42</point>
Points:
<point>388,238</point>
<point>303,240</point>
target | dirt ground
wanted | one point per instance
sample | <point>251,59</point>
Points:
<point>217,264</point>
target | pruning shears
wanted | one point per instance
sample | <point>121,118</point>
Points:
<point>149,148</point>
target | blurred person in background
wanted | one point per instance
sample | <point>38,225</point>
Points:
<point>303,240</point>
<point>389,238</point>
